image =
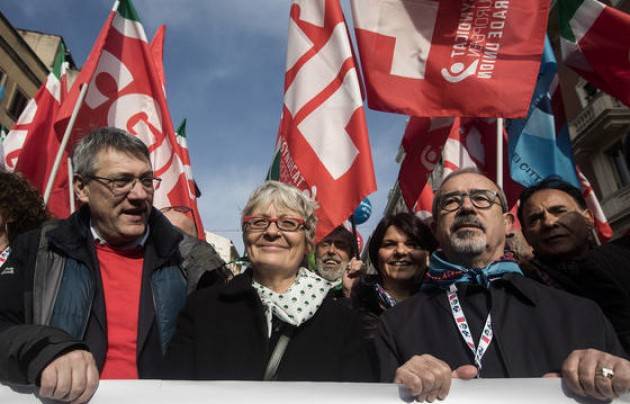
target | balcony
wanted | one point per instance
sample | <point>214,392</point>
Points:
<point>602,119</point>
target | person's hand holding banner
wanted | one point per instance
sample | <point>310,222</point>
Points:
<point>429,378</point>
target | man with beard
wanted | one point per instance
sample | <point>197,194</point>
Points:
<point>335,260</point>
<point>477,316</point>
<point>559,227</point>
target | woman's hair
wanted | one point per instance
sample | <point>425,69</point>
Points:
<point>21,205</point>
<point>407,223</point>
<point>283,196</point>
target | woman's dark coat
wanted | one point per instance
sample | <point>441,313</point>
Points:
<point>222,335</point>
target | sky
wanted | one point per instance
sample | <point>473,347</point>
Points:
<point>224,63</point>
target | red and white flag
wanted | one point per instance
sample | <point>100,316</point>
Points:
<point>32,143</point>
<point>125,91</point>
<point>323,145</point>
<point>422,145</point>
<point>604,231</point>
<point>474,145</point>
<point>451,58</point>
<point>595,42</point>
<point>181,147</point>
<point>423,207</point>
<point>157,50</point>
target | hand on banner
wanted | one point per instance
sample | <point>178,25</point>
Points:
<point>71,377</point>
<point>589,372</point>
<point>351,274</point>
<point>429,378</point>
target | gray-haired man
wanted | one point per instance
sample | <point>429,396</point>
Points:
<point>97,295</point>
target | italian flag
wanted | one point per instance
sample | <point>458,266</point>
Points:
<point>31,145</point>
<point>595,43</point>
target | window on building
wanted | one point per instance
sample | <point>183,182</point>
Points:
<point>586,92</point>
<point>619,165</point>
<point>18,103</point>
<point>3,80</point>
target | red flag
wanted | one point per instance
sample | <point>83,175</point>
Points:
<point>423,207</point>
<point>323,144</point>
<point>474,145</point>
<point>451,58</point>
<point>32,144</point>
<point>157,50</point>
<point>181,147</point>
<point>604,231</point>
<point>594,39</point>
<point>125,91</point>
<point>422,143</point>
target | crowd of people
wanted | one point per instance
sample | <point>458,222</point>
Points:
<point>122,290</point>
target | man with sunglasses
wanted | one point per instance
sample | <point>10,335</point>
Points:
<point>97,295</point>
<point>477,316</point>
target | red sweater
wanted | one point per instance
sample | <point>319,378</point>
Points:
<point>121,273</point>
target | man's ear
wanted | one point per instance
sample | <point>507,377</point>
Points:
<point>509,222</point>
<point>588,216</point>
<point>80,189</point>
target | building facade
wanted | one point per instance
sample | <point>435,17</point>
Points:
<point>598,124</point>
<point>26,59</point>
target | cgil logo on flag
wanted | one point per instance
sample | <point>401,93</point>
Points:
<point>456,58</point>
<point>477,40</point>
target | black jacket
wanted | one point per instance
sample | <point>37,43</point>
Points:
<point>222,335</point>
<point>602,275</point>
<point>535,329</point>
<point>56,282</point>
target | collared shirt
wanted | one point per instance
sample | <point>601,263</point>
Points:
<point>139,242</point>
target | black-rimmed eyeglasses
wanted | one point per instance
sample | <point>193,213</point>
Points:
<point>480,198</point>
<point>124,184</point>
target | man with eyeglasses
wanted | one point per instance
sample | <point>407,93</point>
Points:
<point>477,316</point>
<point>97,295</point>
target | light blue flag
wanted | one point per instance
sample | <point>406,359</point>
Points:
<point>536,150</point>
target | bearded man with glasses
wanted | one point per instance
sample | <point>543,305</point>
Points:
<point>478,316</point>
<point>97,295</point>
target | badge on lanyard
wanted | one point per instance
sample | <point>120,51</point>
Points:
<point>464,330</point>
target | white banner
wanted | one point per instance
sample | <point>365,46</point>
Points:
<point>482,391</point>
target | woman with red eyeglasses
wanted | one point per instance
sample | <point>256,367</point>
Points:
<point>275,321</point>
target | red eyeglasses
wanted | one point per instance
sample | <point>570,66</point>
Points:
<point>284,223</point>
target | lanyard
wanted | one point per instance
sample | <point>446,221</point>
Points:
<point>4,255</point>
<point>385,297</point>
<point>462,325</point>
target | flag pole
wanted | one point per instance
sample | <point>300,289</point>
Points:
<point>70,187</point>
<point>64,143</point>
<point>500,152</point>
<point>355,241</point>
<point>596,239</point>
